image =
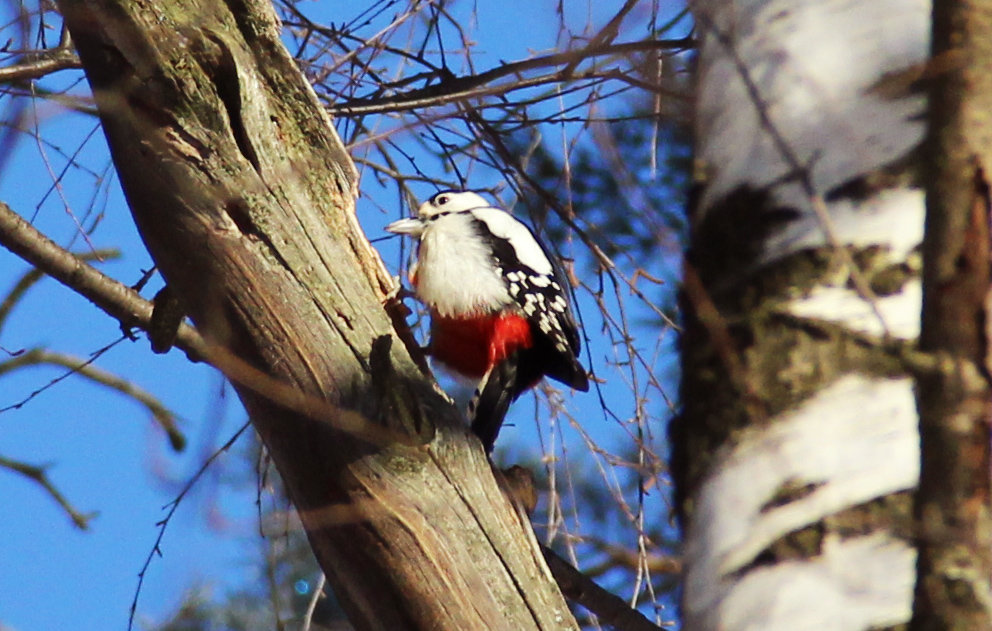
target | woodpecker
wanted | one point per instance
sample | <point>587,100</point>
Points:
<point>499,311</point>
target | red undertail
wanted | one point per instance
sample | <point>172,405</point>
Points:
<point>471,346</point>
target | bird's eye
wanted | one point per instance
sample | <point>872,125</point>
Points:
<point>442,200</point>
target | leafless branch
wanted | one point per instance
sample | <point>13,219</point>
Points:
<point>127,306</point>
<point>84,368</point>
<point>114,298</point>
<point>34,275</point>
<point>39,474</point>
<point>172,506</point>
<point>609,608</point>
<point>318,593</point>
<point>453,89</point>
<point>619,556</point>
<point>40,65</point>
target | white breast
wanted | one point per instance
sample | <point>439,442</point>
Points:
<point>455,269</point>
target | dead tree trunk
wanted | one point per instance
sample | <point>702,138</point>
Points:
<point>244,196</point>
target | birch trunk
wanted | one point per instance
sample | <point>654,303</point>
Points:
<point>798,452</point>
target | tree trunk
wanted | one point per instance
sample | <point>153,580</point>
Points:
<point>797,452</point>
<point>244,196</point>
<point>953,589</point>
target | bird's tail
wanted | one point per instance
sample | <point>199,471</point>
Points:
<point>498,388</point>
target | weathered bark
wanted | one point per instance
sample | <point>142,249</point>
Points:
<point>954,582</point>
<point>797,450</point>
<point>244,196</point>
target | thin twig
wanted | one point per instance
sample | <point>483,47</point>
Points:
<point>83,367</point>
<point>42,65</point>
<point>318,592</point>
<point>93,357</point>
<point>625,557</point>
<point>114,298</point>
<point>33,275</point>
<point>39,474</point>
<point>451,88</point>
<point>164,522</point>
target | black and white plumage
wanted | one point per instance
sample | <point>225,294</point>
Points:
<point>499,309</point>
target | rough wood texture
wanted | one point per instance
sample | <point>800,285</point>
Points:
<point>244,196</point>
<point>954,502</point>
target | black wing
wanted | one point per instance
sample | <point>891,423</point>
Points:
<point>544,301</point>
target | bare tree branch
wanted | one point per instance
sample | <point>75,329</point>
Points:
<point>114,298</point>
<point>40,65</point>
<point>172,506</point>
<point>33,275</point>
<point>453,89</point>
<point>84,368</point>
<point>609,607</point>
<point>127,306</point>
<point>619,556</point>
<point>39,474</point>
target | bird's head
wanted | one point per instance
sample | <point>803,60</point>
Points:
<point>441,204</point>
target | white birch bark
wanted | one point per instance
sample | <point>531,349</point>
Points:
<point>824,81</point>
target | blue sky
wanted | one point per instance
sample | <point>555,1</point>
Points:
<point>106,453</point>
